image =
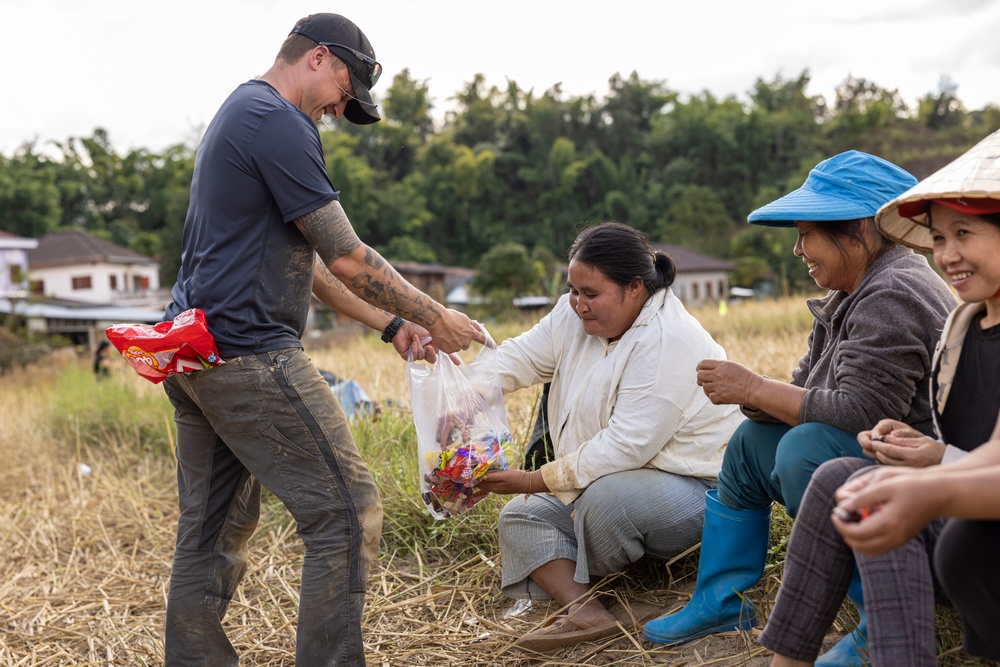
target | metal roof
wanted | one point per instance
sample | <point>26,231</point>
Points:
<point>689,261</point>
<point>13,241</point>
<point>124,314</point>
<point>63,248</point>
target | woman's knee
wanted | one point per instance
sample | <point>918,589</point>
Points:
<point>536,518</point>
<point>509,516</point>
<point>832,474</point>
<point>819,498</point>
<point>797,448</point>
<point>605,496</point>
<point>807,447</point>
<point>744,481</point>
<point>746,439</point>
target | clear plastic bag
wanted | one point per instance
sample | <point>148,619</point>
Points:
<point>462,430</point>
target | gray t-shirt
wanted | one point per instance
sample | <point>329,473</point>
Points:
<point>259,166</point>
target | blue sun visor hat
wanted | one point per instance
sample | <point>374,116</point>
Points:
<point>848,186</point>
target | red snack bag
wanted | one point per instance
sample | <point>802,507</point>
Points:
<point>158,350</point>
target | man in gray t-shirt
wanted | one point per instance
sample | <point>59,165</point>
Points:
<point>264,229</point>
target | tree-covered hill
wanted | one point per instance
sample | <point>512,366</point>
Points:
<point>513,166</point>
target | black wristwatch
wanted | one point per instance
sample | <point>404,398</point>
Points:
<point>390,331</point>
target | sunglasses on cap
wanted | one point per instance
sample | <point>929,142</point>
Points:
<point>376,69</point>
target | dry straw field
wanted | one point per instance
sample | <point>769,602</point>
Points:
<point>88,508</point>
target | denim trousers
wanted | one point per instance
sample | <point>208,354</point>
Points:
<point>267,419</point>
<point>767,462</point>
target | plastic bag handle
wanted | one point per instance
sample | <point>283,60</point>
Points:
<point>489,342</point>
<point>409,352</point>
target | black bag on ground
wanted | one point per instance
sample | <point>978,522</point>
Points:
<point>539,451</point>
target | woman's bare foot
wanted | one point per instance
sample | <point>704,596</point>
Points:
<point>581,617</point>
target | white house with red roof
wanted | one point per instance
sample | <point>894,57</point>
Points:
<point>75,286</point>
<point>700,278</point>
<point>79,267</point>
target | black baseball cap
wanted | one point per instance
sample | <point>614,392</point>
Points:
<point>346,41</point>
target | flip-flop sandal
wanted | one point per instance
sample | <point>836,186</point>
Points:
<point>551,626</point>
<point>544,639</point>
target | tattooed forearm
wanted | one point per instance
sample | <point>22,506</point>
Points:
<point>375,260</point>
<point>365,273</point>
<point>328,278</point>
<point>388,288</point>
<point>330,290</point>
<point>391,292</point>
<point>329,231</point>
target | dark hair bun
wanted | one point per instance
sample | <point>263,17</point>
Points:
<point>665,268</point>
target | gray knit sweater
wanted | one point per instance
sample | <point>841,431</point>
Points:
<point>870,351</point>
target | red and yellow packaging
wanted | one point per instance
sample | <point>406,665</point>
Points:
<point>158,350</point>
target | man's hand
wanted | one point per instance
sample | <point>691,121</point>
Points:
<point>406,342</point>
<point>454,331</point>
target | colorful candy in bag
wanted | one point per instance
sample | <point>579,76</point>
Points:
<point>462,431</point>
<point>457,468</point>
<point>158,350</point>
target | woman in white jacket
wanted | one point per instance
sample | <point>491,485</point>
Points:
<point>637,443</point>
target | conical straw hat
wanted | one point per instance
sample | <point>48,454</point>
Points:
<point>974,174</point>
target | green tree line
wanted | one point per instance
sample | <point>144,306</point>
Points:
<point>518,173</point>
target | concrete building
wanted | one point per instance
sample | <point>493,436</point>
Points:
<point>79,267</point>
<point>73,285</point>
<point>700,279</point>
<point>14,265</point>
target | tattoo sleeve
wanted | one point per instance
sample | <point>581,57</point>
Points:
<point>335,294</point>
<point>372,278</point>
<point>377,282</point>
<point>328,278</point>
<point>329,231</point>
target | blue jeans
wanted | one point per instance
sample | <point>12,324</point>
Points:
<point>767,462</point>
<point>268,419</point>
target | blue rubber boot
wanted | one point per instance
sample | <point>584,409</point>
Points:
<point>733,549</point>
<point>852,649</point>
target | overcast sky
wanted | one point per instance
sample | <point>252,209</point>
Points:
<point>153,73</point>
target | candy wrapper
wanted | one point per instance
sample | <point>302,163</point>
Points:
<point>462,430</point>
<point>158,350</point>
